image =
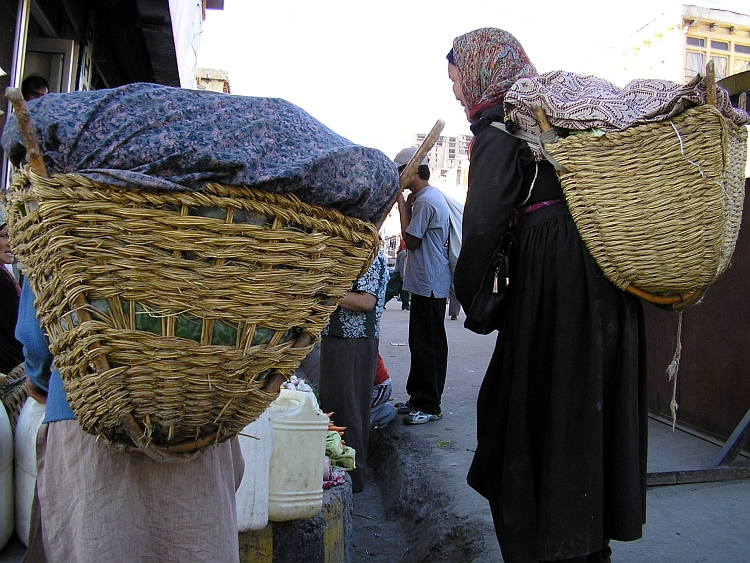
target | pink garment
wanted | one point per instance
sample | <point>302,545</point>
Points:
<point>100,505</point>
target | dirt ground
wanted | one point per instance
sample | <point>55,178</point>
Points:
<point>377,538</point>
<point>417,472</point>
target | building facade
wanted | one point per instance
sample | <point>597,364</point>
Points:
<point>212,80</point>
<point>91,44</point>
<point>678,45</point>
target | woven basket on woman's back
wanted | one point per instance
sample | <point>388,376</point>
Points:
<point>169,311</point>
<point>659,205</point>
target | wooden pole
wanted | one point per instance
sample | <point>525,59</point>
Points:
<point>412,167</point>
<point>711,83</point>
<point>26,128</point>
<point>541,118</point>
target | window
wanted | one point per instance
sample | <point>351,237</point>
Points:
<point>740,65</point>
<point>720,66</point>
<point>696,41</point>
<point>742,49</point>
<point>694,64</point>
<point>720,45</point>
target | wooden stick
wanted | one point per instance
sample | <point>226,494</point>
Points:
<point>711,83</point>
<point>408,173</point>
<point>541,118</point>
<point>26,128</point>
<point>412,167</point>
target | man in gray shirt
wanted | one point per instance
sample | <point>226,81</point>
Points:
<point>425,226</point>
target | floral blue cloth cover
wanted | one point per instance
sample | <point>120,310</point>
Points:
<point>151,136</point>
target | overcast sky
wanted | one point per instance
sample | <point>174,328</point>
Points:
<point>375,71</point>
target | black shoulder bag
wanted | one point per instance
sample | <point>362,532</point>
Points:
<point>489,305</point>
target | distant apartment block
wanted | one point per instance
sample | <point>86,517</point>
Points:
<point>449,164</point>
<point>678,45</point>
<point>447,152</point>
<point>212,79</point>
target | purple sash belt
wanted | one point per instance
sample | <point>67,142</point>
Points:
<point>518,211</point>
<point>536,206</point>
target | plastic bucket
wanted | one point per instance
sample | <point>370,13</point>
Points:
<point>296,468</point>
<point>29,420</point>
<point>252,496</point>
<point>6,478</point>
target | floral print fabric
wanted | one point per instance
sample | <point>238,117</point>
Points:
<point>575,102</point>
<point>356,324</point>
<point>489,62</point>
<point>151,136</point>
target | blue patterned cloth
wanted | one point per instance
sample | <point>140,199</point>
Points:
<point>357,324</point>
<point>152,136</point>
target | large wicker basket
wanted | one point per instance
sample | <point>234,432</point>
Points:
<point>169,312</point>
<point>659,205</point>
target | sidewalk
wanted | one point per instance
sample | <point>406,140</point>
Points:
<point>435,517</point>
<point>422,471</point>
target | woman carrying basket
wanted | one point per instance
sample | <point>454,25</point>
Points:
<point>93,503</point>
<point>562,413</point>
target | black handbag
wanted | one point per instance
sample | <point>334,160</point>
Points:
<point>489,305</point>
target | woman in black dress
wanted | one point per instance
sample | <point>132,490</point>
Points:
<point>11,351</point>
<point>562,411</point>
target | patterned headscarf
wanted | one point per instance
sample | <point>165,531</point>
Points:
<point>489,61</point>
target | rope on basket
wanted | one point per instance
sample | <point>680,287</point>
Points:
<point>674,365</point>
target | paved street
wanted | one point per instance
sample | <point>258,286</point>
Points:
<point>701,522</point>
<point>433,516</point>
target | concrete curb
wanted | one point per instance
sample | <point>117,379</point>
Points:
<point>324,538</point>
<point>420,495</point>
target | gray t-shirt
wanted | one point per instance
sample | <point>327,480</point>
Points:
<point>427,269</point>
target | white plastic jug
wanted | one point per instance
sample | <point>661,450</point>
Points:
<point>252,496</point>
<point>6,477</point>
<point>299,447</point>
<point>29,420</point>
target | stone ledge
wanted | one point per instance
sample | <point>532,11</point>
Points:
<point>325,538</point>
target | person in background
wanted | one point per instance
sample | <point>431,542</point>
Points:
<point>454,307</point>
<point>11,351</point>
<point>348,359</point>
<point>34,86</point>
<point>381,411</point>
<point>425,226</point>
<point>562,411</point>
<point>396,282</point>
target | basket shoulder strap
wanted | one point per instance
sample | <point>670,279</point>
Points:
<point>532,139</point>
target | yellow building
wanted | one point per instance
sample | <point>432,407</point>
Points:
<point>677,45</point>
<point>212,79</point>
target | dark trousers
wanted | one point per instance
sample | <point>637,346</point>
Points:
<point>396,287</point>
<point>347,375</point>
<point>428,345</point>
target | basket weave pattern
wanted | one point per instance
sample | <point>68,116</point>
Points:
<point>193,298</point>
<point>13,393</point>
<point>658,205</point>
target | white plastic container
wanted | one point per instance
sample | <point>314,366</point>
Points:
<point>299,446</point>
<point>252,496</point>
<point>29,420</point>
<point>6,478</point>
